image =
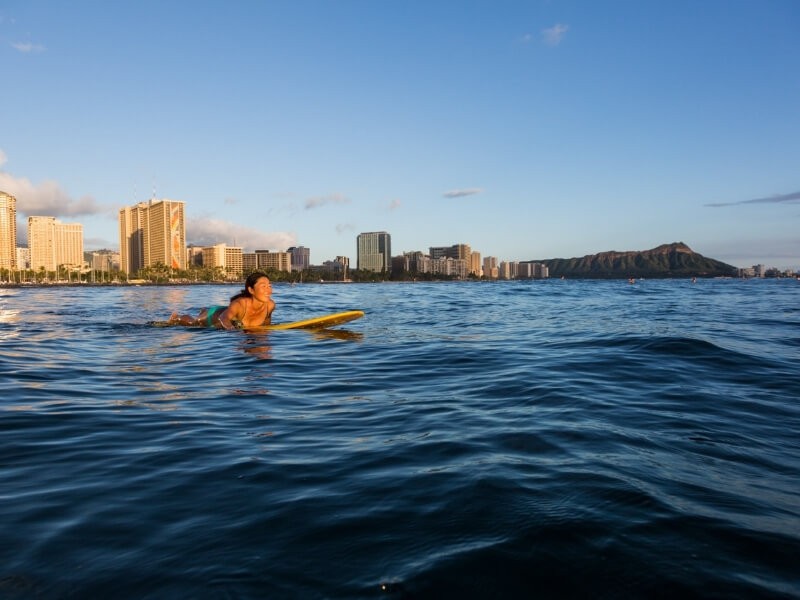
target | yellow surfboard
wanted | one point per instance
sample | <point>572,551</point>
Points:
<point>318,322</point>
<point>322,322</point>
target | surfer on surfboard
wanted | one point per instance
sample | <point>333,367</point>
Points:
<point>252,307</point>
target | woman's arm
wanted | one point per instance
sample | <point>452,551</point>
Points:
<point>234,312</point>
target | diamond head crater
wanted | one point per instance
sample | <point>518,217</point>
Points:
<point>667,260</point>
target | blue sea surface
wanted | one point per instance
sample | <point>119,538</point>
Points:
<point>489,440</point>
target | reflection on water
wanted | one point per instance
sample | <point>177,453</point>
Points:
<point>155,298</point>
<point>262,352</point>
<point>337,334</point>
<point>257,343</point>
<point>9,314</point>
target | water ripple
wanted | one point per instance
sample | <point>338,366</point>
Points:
<point>559,438</point>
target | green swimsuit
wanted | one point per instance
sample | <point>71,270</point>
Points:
<point>211,312</point>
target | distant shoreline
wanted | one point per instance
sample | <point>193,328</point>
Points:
<point>289,283</point>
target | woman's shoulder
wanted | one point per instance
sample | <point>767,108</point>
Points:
<point>238,304</point>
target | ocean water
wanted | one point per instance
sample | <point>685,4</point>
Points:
<point>489,440</point>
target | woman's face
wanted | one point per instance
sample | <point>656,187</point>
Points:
<point>262,288</point>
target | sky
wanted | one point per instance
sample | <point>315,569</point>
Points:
<point>528,129</point>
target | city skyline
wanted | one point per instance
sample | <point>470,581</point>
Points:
<point>153,232</point>
<point>532,130</point>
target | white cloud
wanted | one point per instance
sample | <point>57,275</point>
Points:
<point>552,36</point>
<point>28,47</point>
<point>318,201</point>
<point>345,227</point>
<point>3,158</point>
<point>462,192</point>
<point>209,232</point>
<point>47,198</point>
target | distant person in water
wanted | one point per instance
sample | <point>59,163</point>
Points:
<point>252,307</point>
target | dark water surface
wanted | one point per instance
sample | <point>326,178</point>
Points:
<point>536,439</point>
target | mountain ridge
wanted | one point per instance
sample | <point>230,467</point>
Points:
<point>667,260</point>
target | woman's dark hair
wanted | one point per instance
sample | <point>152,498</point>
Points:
<point>249,282</point>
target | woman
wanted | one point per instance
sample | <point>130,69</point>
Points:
<point>252,307</point>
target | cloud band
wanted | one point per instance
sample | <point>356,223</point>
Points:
<point>780,199</point>
<point>462,192</point>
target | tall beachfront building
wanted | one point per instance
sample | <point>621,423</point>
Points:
<point>227,258</point>
<point>54,244</point>
<point>273,261</point>
<point>490,270</point>
<point>301,257</point>
<point>374,252</point>
<point>459,252</point>
<point>8,231</point>
<point>152,232</point>
<point>475,263</point>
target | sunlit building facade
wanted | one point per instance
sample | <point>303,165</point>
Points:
<point>249,262</point>
<point>227,258</point>
<point>374,252</point>
<point>23,258</point>
<point>490,270</point>
<point>475,263</point>
<point>274,261</point>
<point>151,233</point>
<point>8,231</point>
<point>194,256</point>
<point>53,244</point>
<point>301,258</point>
<point>103,261</point>
<point>459,251</point>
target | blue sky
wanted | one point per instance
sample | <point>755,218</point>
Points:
<point>529,130</point>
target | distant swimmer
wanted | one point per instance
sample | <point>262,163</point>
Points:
<point>252,307</point>
<point>631,280</point>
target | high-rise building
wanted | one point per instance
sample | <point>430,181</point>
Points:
<point>439,252</point>
<point>490,270</point>
<point>475,263</point>
<point>54,244</point>
<point>507,270</point>
<point>459,251</point>
<point>413,262</point>
<point>8,231</point>
<point>301,258</point>
<point>462,252</point>
<point>273,261</point>
<point>23,258</point>
<point>453,267</point>
<point>374,252</point>
<point>234,261</point>
<point>103,261</point>
<point>152,232</point>
<point>526,270</point>
<point>227,258</point>
<point>249,262</point>
<point>341,266</point>
<point>194,256</point>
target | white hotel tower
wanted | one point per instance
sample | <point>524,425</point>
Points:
<point>150,233</point>
<point>54,244</point>
<point>8,231</point>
